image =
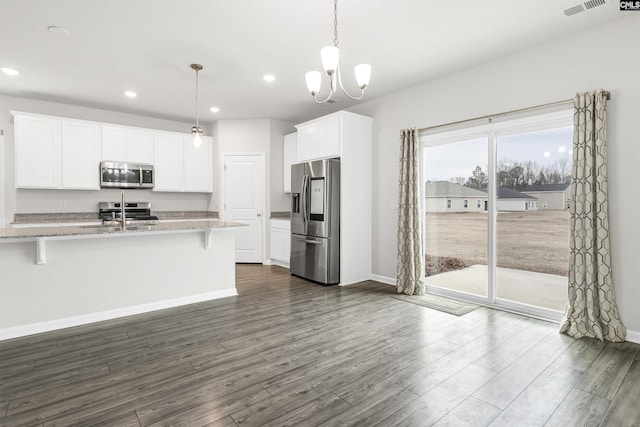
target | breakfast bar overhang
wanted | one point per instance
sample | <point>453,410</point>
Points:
<point>57,277</point>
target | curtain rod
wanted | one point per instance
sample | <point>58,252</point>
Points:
<point>607,95</point>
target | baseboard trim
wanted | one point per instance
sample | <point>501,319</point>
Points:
<point>280,263</point>
<point>68,322</point>
<point>384,279</point>
<point>633,336</point>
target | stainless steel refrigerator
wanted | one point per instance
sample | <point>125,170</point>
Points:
<point>315,221</point>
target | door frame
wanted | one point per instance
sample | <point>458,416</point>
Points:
<point>2,173</point>
<point>222,207</point>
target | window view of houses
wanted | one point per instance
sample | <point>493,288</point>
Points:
<point>531,199</point>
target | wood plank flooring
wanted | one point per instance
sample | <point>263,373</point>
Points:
<point>287,352</point>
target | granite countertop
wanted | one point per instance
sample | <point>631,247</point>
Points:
<point>28,233</point>
<point>281,215</point>
<point>71,217</point>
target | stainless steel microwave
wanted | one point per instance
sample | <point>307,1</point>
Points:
<point>126,175</point>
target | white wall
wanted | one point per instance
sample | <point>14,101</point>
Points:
<point>40,201</point>
<point>257,136</point>
<point>604,56</point>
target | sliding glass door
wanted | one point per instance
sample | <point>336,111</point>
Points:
<point>532,221</point>
<point>456,206</point>
<point>496,200</point>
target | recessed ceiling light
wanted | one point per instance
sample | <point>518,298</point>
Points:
<point>58,30</point>
<point>130,94</point>
<point>268,77</point>
<point>9,71</point>
<point>214,109</point>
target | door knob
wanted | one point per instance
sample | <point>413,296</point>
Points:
<point>259,215</point>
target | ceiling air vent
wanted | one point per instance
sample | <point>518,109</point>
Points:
<point>593,3</point>
<point>574,10</point>
<point>582,7</point>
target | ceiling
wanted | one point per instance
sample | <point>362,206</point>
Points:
<point>148,45</point>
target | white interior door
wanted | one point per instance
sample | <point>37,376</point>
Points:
<point>244,202</point>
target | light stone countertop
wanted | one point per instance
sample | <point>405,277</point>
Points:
<point>30,233</point>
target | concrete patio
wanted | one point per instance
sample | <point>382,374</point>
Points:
<point>539,289</point>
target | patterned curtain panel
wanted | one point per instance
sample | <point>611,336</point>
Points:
<point>410,279</point>
<point>592,310</point>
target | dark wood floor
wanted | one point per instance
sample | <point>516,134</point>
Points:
<point>288,352</point>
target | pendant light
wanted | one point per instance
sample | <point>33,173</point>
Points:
<point>196,131</point>
<point>330,56</point>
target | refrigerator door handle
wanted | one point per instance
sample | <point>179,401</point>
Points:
<point>302,239</point>
<point>303,202</point>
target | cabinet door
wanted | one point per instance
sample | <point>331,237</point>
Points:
<point>37,152</point>
<point>80,155</point>
<point>139,146</point>
<point>289,155</point>
<point>280,241</point>
<point>319,139</point>
<point>198,165</point>
<point>168,162</point>
<point>114,143</point>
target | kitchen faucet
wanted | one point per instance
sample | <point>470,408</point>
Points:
<point>123,218</point>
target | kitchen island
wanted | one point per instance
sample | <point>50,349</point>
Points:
<point>61,276</point>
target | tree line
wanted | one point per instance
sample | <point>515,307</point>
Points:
<point>517,175</point>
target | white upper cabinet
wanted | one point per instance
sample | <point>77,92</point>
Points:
<point>56,153</point>
<point>37,151</point>
<point>289,157</point>
<point>168,161</point>
<point>198,165</point>
<point>140,146</point>
<point>319,139</point>
<point>60,153</point>
<point>124,144</point>
<point>114,143</point>
<point>80,155</point>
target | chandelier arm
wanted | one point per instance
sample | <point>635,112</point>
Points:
<point>315,98</point>
<point>355,98</point>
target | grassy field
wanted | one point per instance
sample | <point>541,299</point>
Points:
<point>532,241</point>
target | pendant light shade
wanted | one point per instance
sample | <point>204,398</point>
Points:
<point>314,80</point>
<point>363,75</point>
<point>330,56</point>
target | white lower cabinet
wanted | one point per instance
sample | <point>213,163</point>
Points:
<point>280,241</point>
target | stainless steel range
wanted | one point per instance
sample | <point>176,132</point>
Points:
<point>138,213</point>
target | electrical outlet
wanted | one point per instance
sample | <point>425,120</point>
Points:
<point>62,203</point>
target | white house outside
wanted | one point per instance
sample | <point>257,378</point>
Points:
<point>444,196</point>
<point>513,201</point>
<point>550,196</point>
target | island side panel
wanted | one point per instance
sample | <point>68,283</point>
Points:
<point>93,279</point>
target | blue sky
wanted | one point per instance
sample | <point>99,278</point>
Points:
<point>444,162</point>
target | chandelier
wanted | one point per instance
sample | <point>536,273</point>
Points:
<point>330,56</point>
<point>196,131</point>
